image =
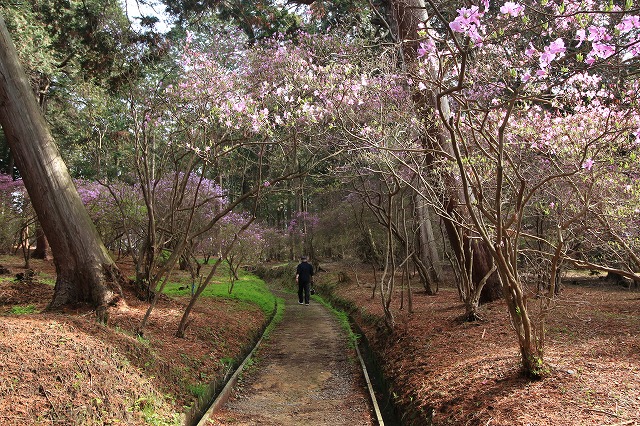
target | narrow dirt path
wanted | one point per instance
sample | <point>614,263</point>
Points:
<point>305,373</point>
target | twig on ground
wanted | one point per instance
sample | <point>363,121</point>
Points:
<point>608,413</point>
<point>46,395</point>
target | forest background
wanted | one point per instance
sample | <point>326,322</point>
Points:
<point>488,147</point>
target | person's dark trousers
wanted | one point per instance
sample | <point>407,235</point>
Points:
<point>303,288</point>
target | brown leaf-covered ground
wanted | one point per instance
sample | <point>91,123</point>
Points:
<point>468,373</point>
<point>64,368</point>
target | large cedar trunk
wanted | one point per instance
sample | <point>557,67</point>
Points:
<point>407,15</point>
<point>85,271</point>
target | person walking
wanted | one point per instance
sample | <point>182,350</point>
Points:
<point>304,272</point>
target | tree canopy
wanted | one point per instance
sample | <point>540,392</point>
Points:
<point>503,137</point>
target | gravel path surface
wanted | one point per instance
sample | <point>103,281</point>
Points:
<point>304,374</point>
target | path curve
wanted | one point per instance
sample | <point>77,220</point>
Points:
<point>304,373</point>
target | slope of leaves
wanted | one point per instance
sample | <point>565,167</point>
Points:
<point>460,373</point>
<point>64,368</point>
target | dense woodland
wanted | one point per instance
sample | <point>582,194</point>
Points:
<point>497,140</point>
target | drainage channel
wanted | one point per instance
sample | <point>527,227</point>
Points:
<point>219,391</point>
<point>383,399</point>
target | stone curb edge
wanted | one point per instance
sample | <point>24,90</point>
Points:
<point>372,394</point>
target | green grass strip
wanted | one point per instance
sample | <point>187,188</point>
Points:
<point>248,288</point>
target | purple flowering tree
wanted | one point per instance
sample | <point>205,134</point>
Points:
<point>520,114</point>
<point>249,126</point>
<point>238,252</point>
<point>18,218</point>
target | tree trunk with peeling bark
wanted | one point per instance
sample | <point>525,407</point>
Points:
<point>86,273</point>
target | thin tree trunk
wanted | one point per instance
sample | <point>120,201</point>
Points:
<point>184,321</point>
<point>43,249</point>
<point>85,271</point>
<point>428,249</point>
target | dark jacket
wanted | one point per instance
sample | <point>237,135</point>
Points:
<point>304,272</point>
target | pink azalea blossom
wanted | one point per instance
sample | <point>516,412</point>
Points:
<point>470,15</point>
<point>557,46</point>
<point>475,36</point>
<point>588,164</point>
<point>531,51</point>
<point>425,47</point>
<point>602,50</point>
<point>467,22</point>
<point>456,26</point>
<point>240,106</point>
<point>546,58</point>
<point>598,34</point>
<point>628,23</point>
<point>551,52</point>
<point>512,9</point>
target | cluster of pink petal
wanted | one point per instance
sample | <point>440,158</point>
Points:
<point>568,137</point>
<point>13,194</point>
<point>295,91</point>
<point>425,47</point>
<point>468,23</point>
<point>303,221</point>
<point>512,9</point>
<point>605,39</point>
